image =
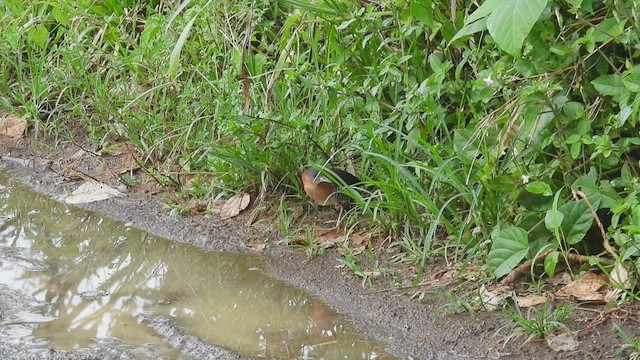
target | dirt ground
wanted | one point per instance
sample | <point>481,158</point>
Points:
<point>429,329</point>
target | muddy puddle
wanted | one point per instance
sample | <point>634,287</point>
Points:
<point>97,280</point>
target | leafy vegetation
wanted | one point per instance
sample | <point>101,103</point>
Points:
<point>490,133</point>
<point>631,346</point>
<point>541,323</point>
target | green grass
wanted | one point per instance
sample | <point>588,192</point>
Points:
<point>630,346</point>
<point>460,143</point>
<point>541,323</point>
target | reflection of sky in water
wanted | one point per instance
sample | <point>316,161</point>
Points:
<point>101,274</point>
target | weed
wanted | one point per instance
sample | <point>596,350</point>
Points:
<point>541,323</point>
<point>631,346</point>
<point>349,259</point>
<point>456,304</point>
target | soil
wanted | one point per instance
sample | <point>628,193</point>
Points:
<point>432,328</point>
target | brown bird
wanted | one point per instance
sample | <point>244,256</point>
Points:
<point>322,190</point>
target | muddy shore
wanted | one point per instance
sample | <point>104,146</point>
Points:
<point>409,328</point>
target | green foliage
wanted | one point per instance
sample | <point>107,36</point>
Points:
<point>631,346</point>
<point>541,323</point>
<point>460,126</point>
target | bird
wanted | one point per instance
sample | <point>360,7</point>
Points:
<point>323,190</point>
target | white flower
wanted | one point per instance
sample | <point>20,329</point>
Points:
<point>525,179</point>
<point>488,81</point>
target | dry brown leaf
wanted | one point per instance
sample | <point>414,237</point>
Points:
<point>234,206</point>
<point>329,238</point>
<point>122,149</point>
<point>530,301</point>
<point>563,342</point>
<point>360,238</point>
<point>91,191</point>
<point>12,126</point>
<point>560,279</point>
<point>259,247</point>
<point>491,300</point>
<point>587,288</point>
<point>619,277</point>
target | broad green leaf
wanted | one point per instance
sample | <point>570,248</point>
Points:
<point>553,219</point>
<point>577,221</point>
<point>485,9</point>
<point>624,115</point>
<point>539,187</point>
<point>508,248</point>
<point>631,81</point>
<point>38,35</point>
<point>602,196</point>
<point>480,25</point>
<point>574,150</point>
<point>151,28</point>
<point>510,23</point>
<point>608,29</point>
<point>550,262</point>
<point>610,196</point>
<point>421,10</point>
<point>610,85</point>
<point>464,144</point>
<point>575,3</point>
<point>625,173</point>
<point>60,15</point>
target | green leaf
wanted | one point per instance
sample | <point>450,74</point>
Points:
<point>553,219</point>
<point>510,23</point>
<point>177,49</point>
<point>610,85</point>
<point>577,221</point>
<point>508,248</point>
<point>550,262</point>
<point>631,81</point>
<point>465,145</point>
<point>38,35</point>
<point>485,9</point>
<point>539,187</point>
<point>480,25</point>
<point>421,10</point>
<point>575,150</point>
<point>308,6</point>
<point>60,15</point>
<point>602,196</point>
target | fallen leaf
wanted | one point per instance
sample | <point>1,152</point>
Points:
<point>259,247</point>
<point>563,342</point>
<point>12,126</point>
<point>328,239</point>
<point>234,206</point>
<point>560,279</point>
<point>91,191</point>
<point>619,278</point>
<point>360,238</point>
<point>587,288</point>
<point>530,301</point>
<point>491,301</point>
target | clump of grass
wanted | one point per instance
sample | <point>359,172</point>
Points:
<point>631,346</point>
<point>541,323</point>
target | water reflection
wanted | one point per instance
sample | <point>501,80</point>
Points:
<point>96,276</point>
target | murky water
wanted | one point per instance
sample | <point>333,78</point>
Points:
<point>95,277</point>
